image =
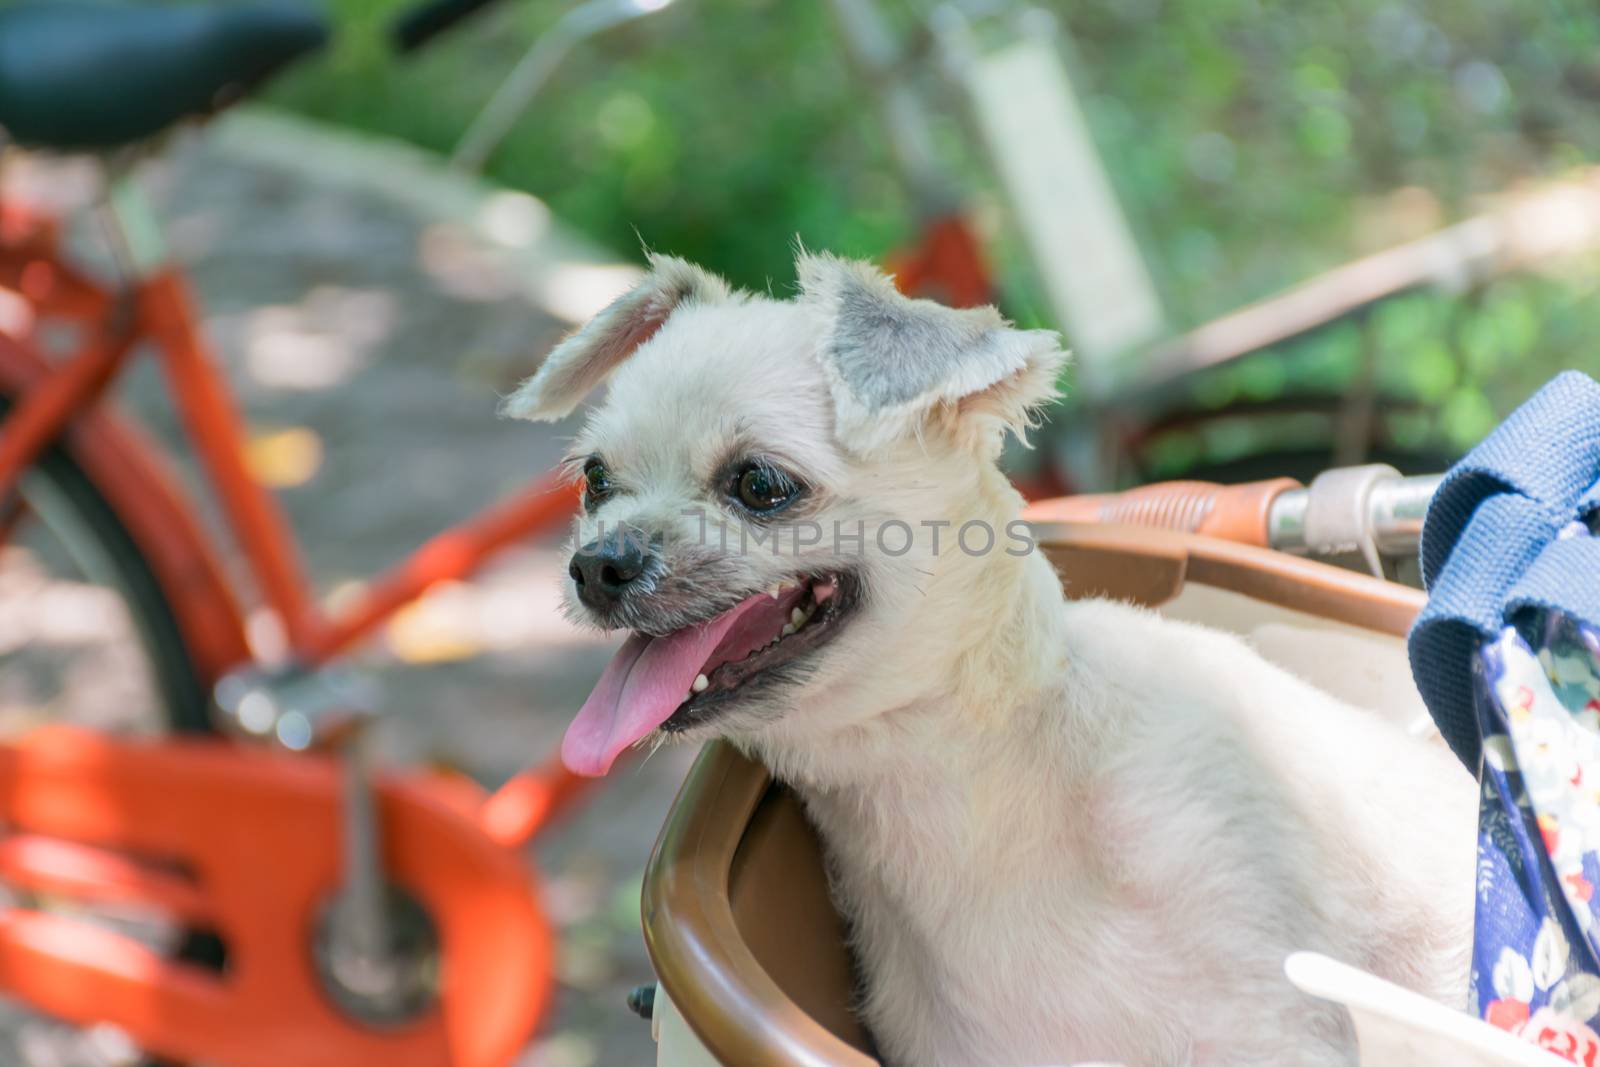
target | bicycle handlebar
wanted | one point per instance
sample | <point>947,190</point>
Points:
<point>418,25</point>
<point>1232,512</point>
<point>1371,509</point>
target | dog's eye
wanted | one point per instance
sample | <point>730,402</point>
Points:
<point>596,482</point>
<point>763,489</point>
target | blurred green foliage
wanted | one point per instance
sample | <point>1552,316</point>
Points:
<point>1253,143</point>
<point>717,130</point>
<point>1260,142</point>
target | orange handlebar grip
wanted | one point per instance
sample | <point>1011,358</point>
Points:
<point>1231,512</point>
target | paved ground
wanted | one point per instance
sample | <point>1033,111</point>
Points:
<point>369,313</point>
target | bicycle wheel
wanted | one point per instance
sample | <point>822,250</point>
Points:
<point>79,606</point>
<point>86,637</point>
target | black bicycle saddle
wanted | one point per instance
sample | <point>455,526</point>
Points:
<point>76,75</point>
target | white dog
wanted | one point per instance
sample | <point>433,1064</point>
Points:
<point>1059,831</point>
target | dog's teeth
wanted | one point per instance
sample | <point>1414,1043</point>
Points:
<point>776,590</point>
<point>823,590</point>
<point>700,683</point>
<point>797,617</point>
<point>789,628</point>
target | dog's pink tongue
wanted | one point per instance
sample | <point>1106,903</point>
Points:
<point>642,686</point>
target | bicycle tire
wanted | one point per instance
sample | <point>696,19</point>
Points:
<point>184,697</point>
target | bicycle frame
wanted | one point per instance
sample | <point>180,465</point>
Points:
<point>91,826</point>
<point>156,308</point>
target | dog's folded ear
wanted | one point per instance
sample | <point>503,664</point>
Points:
<point>583,360</point>
<point>898,366</point>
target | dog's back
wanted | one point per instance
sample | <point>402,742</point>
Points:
<point>1191,815</point>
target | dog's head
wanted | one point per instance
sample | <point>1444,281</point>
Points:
<point>789,503</point>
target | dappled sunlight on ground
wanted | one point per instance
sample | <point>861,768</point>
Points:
<point>68,649</point>
<point>319,342</point>
<point>577,293</point>
<point>517,605</point>
<point>284,458</point>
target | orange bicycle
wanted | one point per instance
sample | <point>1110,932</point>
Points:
<point>313,911</point>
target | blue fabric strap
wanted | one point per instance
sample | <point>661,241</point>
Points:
<point>1565,578</point>
<point>1492,544</point>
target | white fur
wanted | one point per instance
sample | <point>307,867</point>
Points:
<point>1060,831</point>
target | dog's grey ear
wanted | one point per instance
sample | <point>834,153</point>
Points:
<point>893,361</point>
<point>583,360</point>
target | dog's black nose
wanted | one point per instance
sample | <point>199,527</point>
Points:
<point>604,568</point>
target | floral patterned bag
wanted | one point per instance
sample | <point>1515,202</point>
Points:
<point>1507,656</point>
<point>1536,958</point>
